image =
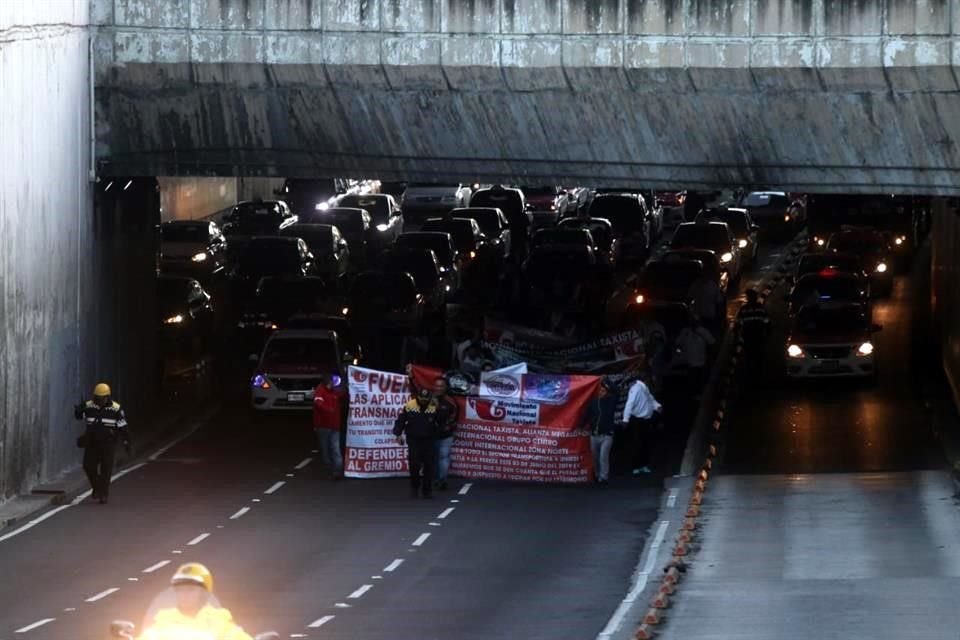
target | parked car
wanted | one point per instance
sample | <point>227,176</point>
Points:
<point>442,246</point>
<point>746,233</point>
<point>254,218</point>
<point>330,250</point>
<point>875,253</point>
<point>832,341</point>
<point>606,246</point>
<point>290,368</point>
<point>356,226</point>
<point>271,256</point>
<point>825,287</point>
<point>192,247</point>
<point>715,236</point>
<point>385,215</point>
<point>278,298</point>
<point>385,300</point>
<point>493,225</point>
<point>631,221</point>
<point>422,200</point>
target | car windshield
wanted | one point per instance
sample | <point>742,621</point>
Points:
<point>319,238</point>
<point>184,233</point>
<point>826,289</point>
<point>383,288</point>
<point>824,319</point>
<point>708,236</point>
<point>623,212</point>
<point>487,220</point>
<point>507,200</point>
<point>462,234</point>
<point>759,199</point>
<point>736,221</point>
<point>421,267</point>
<point>664,275</point>
<point>378,207</point>
<point>857,242</point>
<point>300,355</point>
<point>270,260</point>
<point>439,244</point>
<point>539,191</point>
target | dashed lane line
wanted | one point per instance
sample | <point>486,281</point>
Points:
<point>419,541</point>
<point>359,592</point>
<point>200,538</point>
<point>390,568</point>
<point>465,489</point>
<point>446,512</point>
<point>35,625</point>
<point>102,594</point>
<point>316,624</point>
<point>672,499</point>
<point>274,487</point>
<point>154,567</point>
<point>303,463</point>
<point>240,513</point>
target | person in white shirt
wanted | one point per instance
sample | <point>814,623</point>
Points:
<point>693,343</point>
<point>639,414</point>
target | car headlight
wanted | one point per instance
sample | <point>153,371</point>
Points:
<point>345,311</point>
<point>382,227</point>
<point>553,207</point>
<point>639,299</point>
<point>794,351</point>
<point>199,257</point>
<point>177,319</point>
<point>786,217</point>
<point>446,287</point>
<point>882,267</point>
<point>821,242</point>
<point>865,349</point>
<point>727,257</point>
<point>898,241</point>
<point>743,243</point>
<point>321,206</point>
<point>473,254</point>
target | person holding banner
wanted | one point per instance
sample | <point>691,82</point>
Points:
<point>600,419</point>
<point>639,414</point>
<point>419,420</point>
<point>449,414</point>
<point>328,413</point>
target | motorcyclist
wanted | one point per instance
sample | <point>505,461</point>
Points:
<point>196,611</point>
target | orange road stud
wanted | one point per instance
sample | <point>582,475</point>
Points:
<point>704,474</point>
<point>716,425</point>
<point>686,536</point>
<point>682,549</point>
<point>707,464</point>
<point>693,511</point>
<point>660,601</point>
<point>700,486</point>
<point>652,617</point>
<point>713,451</point>
<point>668,588</point>
<point>644,632</point>
<point>672,575</point>
<point>697,498</point>
<point>689,524</point>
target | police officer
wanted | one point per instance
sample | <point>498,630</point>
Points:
<point>753,325</point>
<point>105,424</point>
<point>420,422</point>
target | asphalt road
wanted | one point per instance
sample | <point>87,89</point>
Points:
<point>833,515</point>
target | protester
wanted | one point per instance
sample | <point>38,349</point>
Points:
<point>419,422</point>
<point>328,414</point>
<point>600,420</point>
<point>639,414</point>
<point>708,302</point>
<point>448,412</point>
<point>753,327</point>
<point>693,345</point>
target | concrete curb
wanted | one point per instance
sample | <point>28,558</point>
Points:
<point>703,448</point>
<point>76,484</point>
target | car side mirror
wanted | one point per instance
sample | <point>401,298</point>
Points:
<point>122,629</point>
<point>875,328</point>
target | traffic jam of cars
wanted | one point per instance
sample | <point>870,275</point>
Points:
<point>339,272</point>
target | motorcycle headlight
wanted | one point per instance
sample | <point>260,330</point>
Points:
<point>321,206</point>
<point>743,243</point>
<point>882,267</point>
<point>865,349</point>
<point>794,351</point>
<point>727,257</point>
<point>199,257</point>
<point>382,227</point>
<point>177,319</point>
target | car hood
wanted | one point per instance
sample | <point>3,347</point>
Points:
<point>413,193</point>
<point>829,337</point>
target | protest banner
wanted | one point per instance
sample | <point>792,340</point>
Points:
<point>376,398</point>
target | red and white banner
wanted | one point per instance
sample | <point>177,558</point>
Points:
<point>534,435</point>
<point>376,398</point>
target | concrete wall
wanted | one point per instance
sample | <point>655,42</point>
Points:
<point>187,198</point>
<point>805,93</point>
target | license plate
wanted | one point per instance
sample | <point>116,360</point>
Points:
<point>295,397</point>
<point>830,365</point>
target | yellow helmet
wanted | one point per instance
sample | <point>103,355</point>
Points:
<point>193,573</point>
<point>102,390</point>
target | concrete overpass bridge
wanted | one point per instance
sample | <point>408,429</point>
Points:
<point>808,94</point>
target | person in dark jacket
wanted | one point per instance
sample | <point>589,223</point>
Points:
<point>420,422</point>
<point>105,424</point>
<point>600,420</point>
<point>449,414</point>
<point>753,327</point>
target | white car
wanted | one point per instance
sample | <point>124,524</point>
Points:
<point>291,366</point>
<point>422,200</point>
<point>832,341</point>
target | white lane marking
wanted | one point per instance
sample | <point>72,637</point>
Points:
<point>376,577</point>
<point>31,627</point>
<point>393,565</point>
<point>616,620</point>
<point>69,609</point>
<point>672,499</point>
<point>455,502</point>
<point>435,524</point>
<point>36,521</point>
<point>445,513</point>
<point>255,500</point>
<point>275,486</point>
<point>303,463</point>
<point>102,594</point>
<point>316,624</point>
<point>465,488</point>
<point>133,579</point>
<point>419,541</point>
<point>176,552</point>
<point>359,592</point>
<point>240,512</point>
<point>342,605</point>
<point>290,475</point>
<point>200,538</point>
<point>315,451</point>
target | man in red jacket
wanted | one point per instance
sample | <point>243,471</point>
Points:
<point>328,422</point>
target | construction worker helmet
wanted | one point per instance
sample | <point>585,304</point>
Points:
<point>102,390</point>
<point>193,573</point>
